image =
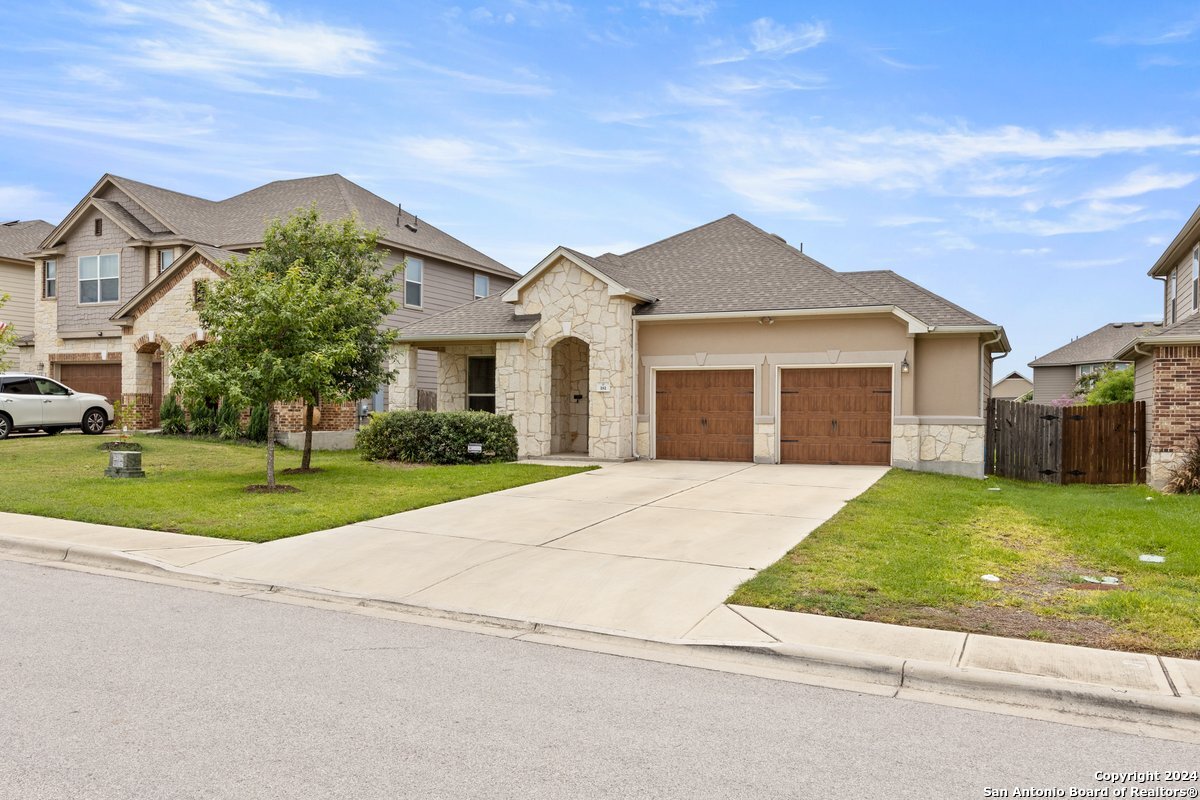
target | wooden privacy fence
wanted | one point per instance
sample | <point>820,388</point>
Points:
<point>1075,444</point>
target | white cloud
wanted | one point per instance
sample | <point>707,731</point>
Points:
<point>1178,32</point>
<point>1034,251</point>
<point>771,38</point>
<point>85,73</point>
<point>506,154</point>
<point>1090,263</point>
<point>694,9</point>
<point>29,202</point>
<point>1139,182</point>
<point>236,40</point>
<point>903,221</point>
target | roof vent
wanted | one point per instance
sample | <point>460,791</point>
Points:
<point>1138,324</point>
<point>780,238</point>
<point>412,226</point>
<point>7,224</point>
<point>1118,324</point>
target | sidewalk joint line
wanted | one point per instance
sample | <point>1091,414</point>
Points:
<point>1167,674</point>
<point>752,623</point>
<point>961,650</point>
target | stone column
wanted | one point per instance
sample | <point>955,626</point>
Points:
<point>137,386</point>
<point>452,379</point>
<point>402,391</point>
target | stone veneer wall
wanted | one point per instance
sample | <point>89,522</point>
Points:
<point>950,448</point>
<point>1176,409</point>
<point>452,374</point>
<point>764,442</point>
<point>571,303</point>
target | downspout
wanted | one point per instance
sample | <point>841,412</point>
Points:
<point>994,359</point>
<point>636,367</point>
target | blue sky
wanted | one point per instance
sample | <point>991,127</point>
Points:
<point>1027,160</point>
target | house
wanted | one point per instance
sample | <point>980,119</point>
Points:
<point>16,281</point>
<point>118,274</point>
<point>1166,358</point>
<point>1012,386</point>
<point>1056,374</point>
<point>723,342</point>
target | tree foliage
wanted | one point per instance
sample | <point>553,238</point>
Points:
<point>8,333</point>
<point>299,319</point>
<point>1108,385</point>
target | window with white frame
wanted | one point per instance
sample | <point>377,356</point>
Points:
<point>481,383</point>
<point>165,258</point>
<point>481,285</point>
<point>50,278</point>
<point>100,279</point>
<point>1195,278</point>
<point>1172,292</point>
<point>414,281</point>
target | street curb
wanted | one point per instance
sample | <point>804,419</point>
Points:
<point>845,668</point>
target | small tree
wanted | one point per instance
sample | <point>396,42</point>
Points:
<point>1109,385</point>
<point>8,334</point>
<point>270,340</point>
<point>343,261</point>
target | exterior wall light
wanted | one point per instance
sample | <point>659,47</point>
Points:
<point>904,365</point>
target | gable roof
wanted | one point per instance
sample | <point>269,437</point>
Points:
<point>163,281</point>
<point>20,237</point>
<point>1014,374</point>
<point>1185,331</point>
<point>240,221</point>
<point>923,304</point>
<point>1103,344</point>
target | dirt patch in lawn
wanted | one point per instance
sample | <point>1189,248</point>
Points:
<point>301,471</point>
<point>262,488</point>
<point>1021,624</point>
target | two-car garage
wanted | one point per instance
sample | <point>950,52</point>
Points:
<point>830,415</point>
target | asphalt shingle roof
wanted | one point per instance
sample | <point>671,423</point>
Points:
<point>21,237</point>
<point>731,265</point>
<point>240,220</point>
<point>1096,347</point>
<point>486,316</point>
<point>1188,326</point>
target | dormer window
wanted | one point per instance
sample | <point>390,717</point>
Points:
<point>98,226</point>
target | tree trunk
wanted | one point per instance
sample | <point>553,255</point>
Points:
<point>271,446</point>
<point>306,459</point>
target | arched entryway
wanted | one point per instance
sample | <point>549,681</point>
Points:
<point>149,353</point>
<point>569,396</point>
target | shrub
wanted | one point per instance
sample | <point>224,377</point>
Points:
<point>171,418</point>
<point>1185,477</point>
<point>440,437</point>
<point>256,429</point>
<point>1109,385</point>
<point>229,420</point>
<point>202,416</point>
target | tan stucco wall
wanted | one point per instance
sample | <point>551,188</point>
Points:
<point>947,374</point>
<point>798,340</point>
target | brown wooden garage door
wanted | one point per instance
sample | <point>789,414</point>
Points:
<point>704,415</point>
<point>102,379</point>
<point>835,416</point>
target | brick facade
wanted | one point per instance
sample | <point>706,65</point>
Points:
<point>138,412</point>
<point>1176,408</point>
<point>332,417</point>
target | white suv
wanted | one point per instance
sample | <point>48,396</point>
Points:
<point>34,402</point>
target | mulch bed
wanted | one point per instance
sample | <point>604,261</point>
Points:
<point>262,488</point>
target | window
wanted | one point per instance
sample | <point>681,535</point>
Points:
<point>414,281</point>
<point>1172,292</point>
<point>481,383</point>
<point>98,226</point>
<point>1195,278</point>
<point>481,285</point>
<point>165,257</point>
<point>50,278</point>
<point>19,386</point>
<point>48,387</point>
<point>99,279</point>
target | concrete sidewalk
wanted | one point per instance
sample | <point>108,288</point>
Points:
<point>541,558</point>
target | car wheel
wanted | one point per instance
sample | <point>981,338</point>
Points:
<point>5,426</point>
<point>94,422</point>
<point>52,431</point>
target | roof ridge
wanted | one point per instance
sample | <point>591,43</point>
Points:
<point>677,235</point>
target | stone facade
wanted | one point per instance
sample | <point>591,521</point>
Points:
<point>452,374</point>
<point>572,304</point>
<point>1176,409</point>
<point>951,448</point>
<point>764,442</point>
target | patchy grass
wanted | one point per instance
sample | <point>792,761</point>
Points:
<point>911,551</point>
<point>199,487</point>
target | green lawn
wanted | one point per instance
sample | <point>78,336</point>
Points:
<point>911,551</point>
<point>198,487</point>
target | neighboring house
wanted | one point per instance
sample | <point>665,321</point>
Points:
<point>1012,386</point>
<point>1166,359</point>
<point>1056,373</point>
<point>721,343</point>
<point>117,277</point>
<point>16,280</point>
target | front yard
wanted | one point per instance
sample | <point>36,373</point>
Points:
<point>913,548</point>
<point>198,487</point>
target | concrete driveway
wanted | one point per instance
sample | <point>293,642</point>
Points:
<point>650,548</point>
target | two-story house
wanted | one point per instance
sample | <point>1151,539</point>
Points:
<point>1166,359</point>
<point>16,282</point>
<point>116,278</point>
<point>1056,375</point>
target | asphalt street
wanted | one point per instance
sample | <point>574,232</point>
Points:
<point>115,688</point>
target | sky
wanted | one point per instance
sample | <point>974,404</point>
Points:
<point>1029,161</point>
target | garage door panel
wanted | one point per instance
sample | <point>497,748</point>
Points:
<point>704,415</point>
<point>836,415</point>
<point>102,379</point>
